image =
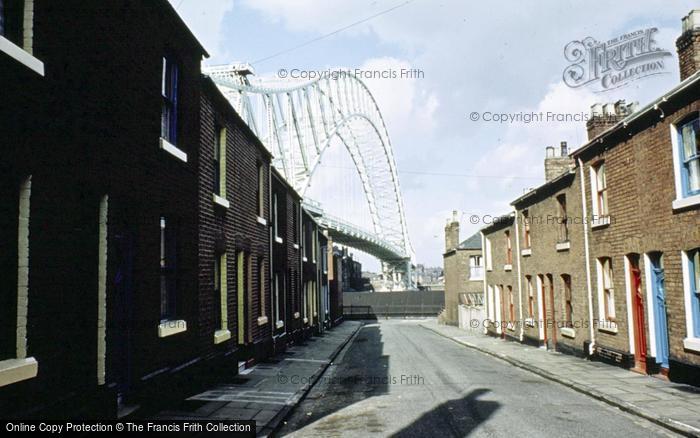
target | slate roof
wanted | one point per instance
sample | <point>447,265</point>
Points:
<point>473,242</point>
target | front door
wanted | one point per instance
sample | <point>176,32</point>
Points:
<point>640,341</point>
<point>659,308</point>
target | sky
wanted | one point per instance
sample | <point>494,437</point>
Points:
<point>475,57</point>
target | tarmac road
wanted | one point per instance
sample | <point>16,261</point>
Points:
<point>396,378</point>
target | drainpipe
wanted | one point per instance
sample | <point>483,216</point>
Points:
<point>487,255</point>
<point>517,267</point>
<point>588,257</point>
<point>520,296</point>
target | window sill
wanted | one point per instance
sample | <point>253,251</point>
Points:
<point>278,239</point>
<point>600,221</point>
<point>508,267</point>
<point>262,221</point>
<point>16,370</point>
<point>279,324</point>
<point>563,246</point>
<point>173,327</point>
<point>173,150</point>
<point>568,332</point>
<point>525,252</point>
<point>611,328</point>
<point>690,201</point>
<point>296,315</point>
<point>221,336</point>
<point>692,344</point>
<point>20,55</point>
<point>262,320</point>
<point>221,202</point>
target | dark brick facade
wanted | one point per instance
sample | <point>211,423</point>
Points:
<point>89,128</point>
<point>287,259</point>
<point>232,227</point>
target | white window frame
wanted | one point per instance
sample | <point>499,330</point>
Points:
<point>275,219</point>
<point>489,261</point>
<point>497,308</point>
<point>540,304</point>
<point>606,325</point>
<point>681,201</point>
<point>692,340</point>
<point>21,367</point>
<point>223,334</point>
<point>598,219</point>
<point>476,268</point>
<point>24,54</point>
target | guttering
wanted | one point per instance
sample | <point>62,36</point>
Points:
<point>653,106</point>
<point>544,186</point>
<point>588,258</point>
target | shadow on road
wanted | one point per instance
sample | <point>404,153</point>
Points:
<point>457,417</point>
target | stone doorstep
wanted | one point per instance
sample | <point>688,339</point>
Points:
<point>669,423</point>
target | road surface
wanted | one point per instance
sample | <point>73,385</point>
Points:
<point>396,378</point>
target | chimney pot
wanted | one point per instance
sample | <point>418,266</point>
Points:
<point>691,21</point>
<point>688,44</point>
<point>549,152</point>
<point>564,149</point>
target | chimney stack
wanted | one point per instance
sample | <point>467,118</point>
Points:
<point>556,163</point>
<point>452,232</point>
<point>688,44</point>
<point>603,116</point>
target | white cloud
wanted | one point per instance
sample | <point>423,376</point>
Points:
<point>477,56</point>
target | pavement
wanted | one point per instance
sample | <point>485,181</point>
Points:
<point>396,378</point>
<point>268,391</point>
<point>671,405</point>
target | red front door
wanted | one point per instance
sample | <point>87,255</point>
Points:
<point>640,340</point>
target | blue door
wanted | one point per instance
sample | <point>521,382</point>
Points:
<point>659,296</point>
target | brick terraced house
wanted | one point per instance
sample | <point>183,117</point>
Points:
<point>286,260</point>
<point>463,268</point>
<point>234,237</point>
<point>642,187</point>
<point>500,279</point>
<point>135,216</point>
<point>627,258</point>
<point>552,279</point>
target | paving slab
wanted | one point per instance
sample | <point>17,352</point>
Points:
<point>270,390</point>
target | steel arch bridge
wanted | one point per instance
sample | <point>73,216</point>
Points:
<point>297,120</point>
